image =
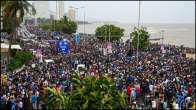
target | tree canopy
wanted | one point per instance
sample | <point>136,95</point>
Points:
<point>62,25</point>
<point>103,32</point>
<point>143,37</point>
<point>20,58</point>
<point>14,12</point>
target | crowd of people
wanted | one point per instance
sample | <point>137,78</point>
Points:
<point>157,81</point>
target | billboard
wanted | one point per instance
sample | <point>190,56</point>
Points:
<point>63,46</point>
<point>77,38</point>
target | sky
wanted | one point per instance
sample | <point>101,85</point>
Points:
<point>127,11</point>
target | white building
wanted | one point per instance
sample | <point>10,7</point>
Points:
<point>52,15</point>
<point>60,10</point>
<point>71,14</point>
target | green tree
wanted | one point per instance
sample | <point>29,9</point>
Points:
<point>17,10</point>
<point>62,25</point>
<point>70,27</point>
<point>3,2</point>
<point>14,12</point>
<point>65,19</point>
<point>89,93</point>
<point>143,37</point>
<point>103,32</point>
<point>19,59</point>
<point>46,26</point>
<point>58,99</point>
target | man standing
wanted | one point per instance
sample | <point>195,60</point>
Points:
<point>129,92</point>
<point>34,101</point>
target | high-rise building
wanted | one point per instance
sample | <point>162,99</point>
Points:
<point>52,15</point>
<point>60,9</point>
<point>42,9</point>
<point>71,14</point>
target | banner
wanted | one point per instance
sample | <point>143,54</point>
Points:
<point>77,38</point>
<point>63,47</point>
<point>109,47</point>
<point>163,49</point>
<point>38,53</point>
<point>109,50</point>
<point>56,33</point>
<point>104,51</point>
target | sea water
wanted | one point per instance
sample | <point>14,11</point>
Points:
<point>175,34</point>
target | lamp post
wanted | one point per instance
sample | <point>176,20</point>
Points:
<point>105,33</point>
<point>109,33</point>
<point>84,19</point>
<point>162,36</point>
<point>76,8</point>
<point>138,33</point>
<point>109,40</point>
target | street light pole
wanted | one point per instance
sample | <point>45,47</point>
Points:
<point>138,33</point>
<point>109,39</point>
<point>109,33</point>
<point>105,33</point>
<point>84,19</point>
<point>77,18</point>
<point>162,33</point>
<point>56,17</point>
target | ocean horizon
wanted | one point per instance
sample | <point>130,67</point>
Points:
<point>174,33</point>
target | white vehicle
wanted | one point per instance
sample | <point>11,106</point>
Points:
<point>49,61</point>
<point>80,66</point>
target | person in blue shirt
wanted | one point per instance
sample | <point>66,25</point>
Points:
<point>131,79</point>
<point>34,87</point>
<point>13,105</point>
<point>34,101</point>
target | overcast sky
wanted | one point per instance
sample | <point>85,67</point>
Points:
<point>127,11</point>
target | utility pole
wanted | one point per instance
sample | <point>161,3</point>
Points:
<point>77,18</point>
<point>162,35</point>
<point>105,33</point>
<point>109,33</point>
<point>56,17</point>
<point>104,44</point>
<point>84,19</point>
<point>138,34</point>
<point>109,41</point>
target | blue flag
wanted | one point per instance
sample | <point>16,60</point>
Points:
<point>77,38</point>
<point>63,47</point>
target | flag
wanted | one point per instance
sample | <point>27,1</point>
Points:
<point>38,53</point>
<point>162,49</point>
<point>109,47</point>
<point>104,51</point>
<point>77,38</point>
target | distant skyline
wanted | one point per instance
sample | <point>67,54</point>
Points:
<point>127,11</point>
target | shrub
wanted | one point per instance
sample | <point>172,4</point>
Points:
<point>19,59</point>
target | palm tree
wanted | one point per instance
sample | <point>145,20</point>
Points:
<point>57,99</point>
<point>90,93</point>
<point>15,11</point>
